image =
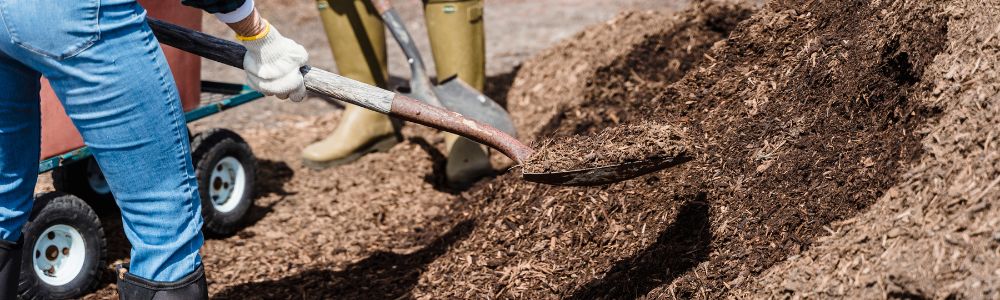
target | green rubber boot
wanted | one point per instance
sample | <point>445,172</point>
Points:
<point>357,38</point>
<point>459,46</point>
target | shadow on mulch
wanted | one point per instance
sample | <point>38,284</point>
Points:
<point>680,247</point>
<point>437,177</point>
<point>498,85</point>
<point>271,178</point>
<point>383,275</point>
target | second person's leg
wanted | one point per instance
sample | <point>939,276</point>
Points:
<point>357,39</point>
<point>459,45</point>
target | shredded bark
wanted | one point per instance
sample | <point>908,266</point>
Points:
<point>616,145</point>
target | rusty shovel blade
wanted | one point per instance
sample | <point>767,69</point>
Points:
<point>605,174</point>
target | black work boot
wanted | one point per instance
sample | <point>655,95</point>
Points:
<point>191,287</point>
<point>10,268</point>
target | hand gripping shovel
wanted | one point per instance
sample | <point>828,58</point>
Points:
<point>453,93</point>
<point>333,86</point>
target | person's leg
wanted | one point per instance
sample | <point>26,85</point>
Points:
<point>19,151</point>
<point>357,38</point>
<point>20,130</point>
<point>458,43</point>
<point>119,92</point>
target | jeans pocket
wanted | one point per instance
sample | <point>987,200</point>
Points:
<point>57,29</point>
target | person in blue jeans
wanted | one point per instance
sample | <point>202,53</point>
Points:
<point>108,70</point>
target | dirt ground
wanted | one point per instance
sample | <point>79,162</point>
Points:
<point>835,149</point>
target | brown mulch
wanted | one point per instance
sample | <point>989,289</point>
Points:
<point>936,234</point>
<point>801,118</point>
<point>555,80</point>
<point>611,146</point>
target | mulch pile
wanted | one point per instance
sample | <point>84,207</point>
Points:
<point>802,117</point>
<point>936,234</point>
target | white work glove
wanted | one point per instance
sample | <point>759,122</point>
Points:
<point>272,64</point>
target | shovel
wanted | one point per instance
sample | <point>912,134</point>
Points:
<point>453,93</point>
<point>336,87</point>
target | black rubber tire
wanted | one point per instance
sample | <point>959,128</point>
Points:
<point>73,179</point>
<point>59,208</point>
<point>208,148</point>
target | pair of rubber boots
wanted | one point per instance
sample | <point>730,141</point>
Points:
<point>361,132</point>
<point>130,287</point>
<point>357,38</point>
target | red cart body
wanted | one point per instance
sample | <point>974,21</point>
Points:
<point>58,134</point>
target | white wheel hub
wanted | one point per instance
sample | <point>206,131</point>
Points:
<point>227,185</point>
<point>58,254</point>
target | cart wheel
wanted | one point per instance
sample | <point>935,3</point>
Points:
<point>225,168</point>
<point>64,249</point>
<point>85,180</point>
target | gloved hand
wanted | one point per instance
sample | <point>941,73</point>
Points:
<point>272,64</point>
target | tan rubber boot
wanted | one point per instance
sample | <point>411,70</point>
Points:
<point>360,132</point>
<point>455,28</point>
<point>361,57</point>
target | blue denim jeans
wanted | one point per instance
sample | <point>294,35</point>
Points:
<point>107,68</point>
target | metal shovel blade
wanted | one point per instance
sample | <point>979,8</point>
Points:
<point>605,174</point>
<point>458,96</point>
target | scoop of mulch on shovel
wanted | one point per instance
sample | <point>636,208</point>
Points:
<point>611,146</point>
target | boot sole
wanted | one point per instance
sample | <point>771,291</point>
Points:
<point>382,145</point>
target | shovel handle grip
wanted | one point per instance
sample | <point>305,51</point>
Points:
<point>198,43</point>
<point>337,87</point>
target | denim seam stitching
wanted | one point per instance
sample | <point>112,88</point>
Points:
<point>178,143</point>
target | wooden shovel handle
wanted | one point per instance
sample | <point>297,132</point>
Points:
<point>345,89</point>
